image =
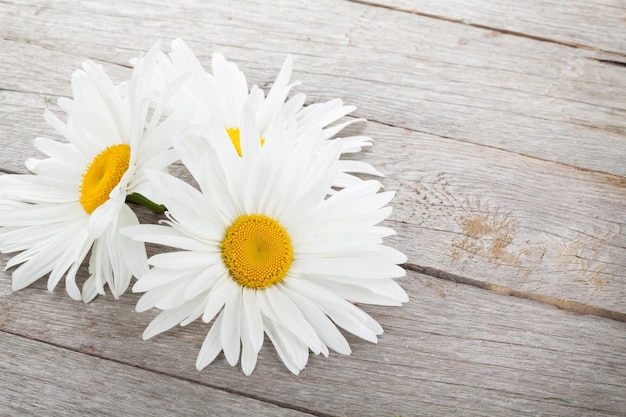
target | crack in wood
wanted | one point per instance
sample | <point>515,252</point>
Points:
<point>611,62</point>
<point>560,303</point>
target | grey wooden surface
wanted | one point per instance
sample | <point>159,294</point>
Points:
<point>502,127</point>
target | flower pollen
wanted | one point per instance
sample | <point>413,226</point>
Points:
<point>102,175</point>
<point>257,251</point>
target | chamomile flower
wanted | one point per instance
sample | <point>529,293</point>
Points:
<point>222,94</point>
<point>75,202</point>
<point>261,248</point>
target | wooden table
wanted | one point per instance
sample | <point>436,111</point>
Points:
<point>500,124</point>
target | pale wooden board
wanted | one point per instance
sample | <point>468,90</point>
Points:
<point>40,379</point>
<point>486,216</point>
<point>542,249</point>
<point>468,104</point>
<point>597,24</point>
<point>21,121</point>
<point>452,350</point>
<point>537,98</point>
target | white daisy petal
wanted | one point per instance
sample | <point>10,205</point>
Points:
<point>157,277</point>
<point>132,254</point>
<point>72,254</point>
<point>152,297</point>
<point>217,298</point>
<point>39,214</point>
<point>205,280</point>
<point>322,114</point>
<point>197,312</point>
<point>100,264</point>
<point>185,203</point>
<point>163,235</point>
<point>85,146</point>
<point>274,304</point>
<point>346,315</point>
<point>211,347</point>
<point>287,349</point>
<point>252,318</point>
<point>104,216</point>
<point>97,121</point>
<point>230,332</point>
<point>174,298</point>
<point>351,143</point>
<point>168,319</point>
<point>249,353</point>
<point>359,167</point>
<point>278,94</point>
<point>36,189</point>
<point>331,242</point>
<point>89,290</point>
<point>324,327</point>
<point>66,154</point>
<point>183,260</point>
<point>380,292</point>
<point>71,288</point>
<point>393,255</point>
<point>352,267</point>
<point>293,105</point>
<point>354,144</point>
<point>34,268</point>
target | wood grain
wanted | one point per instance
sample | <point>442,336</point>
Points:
<point>502,129</point>
<point>41,379</point>
<point>471,84</point>
<point>579,23</point>
<point>491,218</point>
<point>452,349</point>
<point>513,235</point>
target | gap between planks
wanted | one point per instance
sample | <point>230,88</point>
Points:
<point>491,28</point>
<point>560,303</point>
<point>170,375</point>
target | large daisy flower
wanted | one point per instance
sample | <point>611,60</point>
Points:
<point>222,94</point>
<point>262,249</point>
<point>76,201</point>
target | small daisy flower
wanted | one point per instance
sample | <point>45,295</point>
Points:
<point>222,94</point>
<point>262,249</point>
<point>76,201</point>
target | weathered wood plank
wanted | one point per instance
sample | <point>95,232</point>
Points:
<point>452,350</point>
<point>466,102</point>
<point>492,218</point>
<point>40,379</point>
<point>21,121</point>
<point>471,84</point>
<point>484,215</point>
<point>595,24</point>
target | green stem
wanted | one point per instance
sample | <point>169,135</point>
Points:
<point>143,201</point>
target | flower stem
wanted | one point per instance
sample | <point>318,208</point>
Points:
<point>143,201</point>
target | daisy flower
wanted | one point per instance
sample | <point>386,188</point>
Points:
<point>222,94</point>
<point>76,201</point>
<point>261,248</point>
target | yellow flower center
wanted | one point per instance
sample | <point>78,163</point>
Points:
<point>257,251</point>
<point>102,175</point>
<point>233,134</point>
